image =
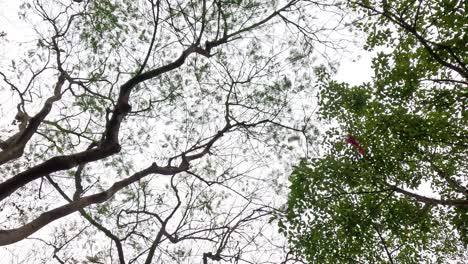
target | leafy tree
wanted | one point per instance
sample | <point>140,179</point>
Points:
<point>392,186</point>
<point>154,131</point>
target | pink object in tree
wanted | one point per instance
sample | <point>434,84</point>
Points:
<point>353,141</point>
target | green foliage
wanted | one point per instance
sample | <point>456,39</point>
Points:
<point>412,122</point>
<point>195,96</point>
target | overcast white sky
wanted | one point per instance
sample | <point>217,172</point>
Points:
<point>354,68</point>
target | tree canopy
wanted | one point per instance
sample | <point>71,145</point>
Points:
<point>392,186</point>
<point>160,131</point>
<point>155,131</point>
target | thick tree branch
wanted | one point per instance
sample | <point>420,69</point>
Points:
<point>109,145</point>
<point>17,234</point>
<point>427,200</point>
<point>14,149</point>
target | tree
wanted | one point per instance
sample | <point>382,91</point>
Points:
<point>145,131</point>
<point>403,197</point>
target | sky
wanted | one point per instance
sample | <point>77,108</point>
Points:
<point>354,67</point>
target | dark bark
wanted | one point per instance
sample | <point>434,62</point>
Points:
<point>17,234</point>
